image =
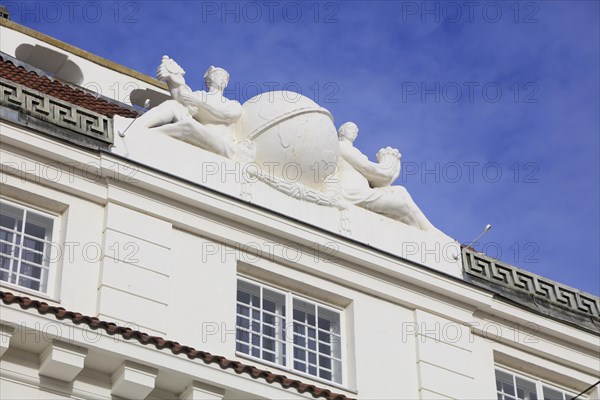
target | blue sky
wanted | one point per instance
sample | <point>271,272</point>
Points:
<point>494,105</point>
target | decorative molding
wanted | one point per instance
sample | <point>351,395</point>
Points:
<point>298,190</point>
<point>6,333</point>
<point>62,361</point>
<point>55,111</point>
<point>133,381</point>
<point>246,152</point>
<point>496,272</point>
<point>344,227</point>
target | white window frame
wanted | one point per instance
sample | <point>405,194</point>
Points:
<point>50,266</point>
<point>286,341</point>
<point>539,384</point>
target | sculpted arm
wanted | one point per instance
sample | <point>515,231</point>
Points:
<point>171,73</point>
<point>378,174</point>
<point>221,109</point>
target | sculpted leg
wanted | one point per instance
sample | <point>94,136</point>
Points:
<point>165,113</point>
<point>397,204</point>
<point>193,132</point>
<point>414,213</point>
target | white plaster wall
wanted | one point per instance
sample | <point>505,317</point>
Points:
<point>135,269</point>
<point>38,182</point>
<point>385,360</point>
<point>201,313</point>
<point>181,282</point>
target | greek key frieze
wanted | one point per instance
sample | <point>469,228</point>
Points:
<point>58,112</point>
<point>497,272</point>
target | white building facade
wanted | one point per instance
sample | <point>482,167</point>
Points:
<point>142,267</point>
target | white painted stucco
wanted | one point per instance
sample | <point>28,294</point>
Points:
<point>156,245</point>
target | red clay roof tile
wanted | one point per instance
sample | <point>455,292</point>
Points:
<point>61,91</point>
<point>176,348</point>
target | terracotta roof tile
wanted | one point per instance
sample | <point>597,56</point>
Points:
<point>61,91</point>
<point>176,348</point>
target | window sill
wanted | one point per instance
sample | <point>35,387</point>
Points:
<point>295,372</point>
<point>18,290</point>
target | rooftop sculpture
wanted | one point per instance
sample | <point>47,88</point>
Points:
<point>291,140</point>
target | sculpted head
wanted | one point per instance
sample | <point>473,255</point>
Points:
<point>216,78</point>
<point>348,131</point>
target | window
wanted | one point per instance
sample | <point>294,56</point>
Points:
<point>510,386</point>
<point>288,330</point>
<point>25,246</point>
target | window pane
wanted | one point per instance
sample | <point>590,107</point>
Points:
<point>268,344</point>
<point>269,331</point>
<point>299,366</point>
<point>29,283</point>
<point>313,336</point>
<point>32,257</point>
<point>329,320</point>
<point>4,276</point>
<point>268,356</point>
<point>299,340</point>
<point>526,389</point>
<point>504,383</point>
<point>299,315</point>
<point>35,230</point>
<point>299,353</point>
<point>310,319</point>
<point>31,271</point>
<point>324,337</point>
<point>552,394</point>
<point>299,329</point>
<point>243,297</point>
<point>317,342</point>
<point>312,358</point>
<point>242,322</point>
<point>325,374</point>
<point>304,311</point>
<point>337,371</point>
<point>325,362</point>
<point>269,302</point>
<point>246,289</point>
<point>24,246</point>
<point>38,226</point>
<point>8,252</point>
<point>243,336</point>
<point>260,310</point>
<point>243,310</point>
<point>8,236</point>
<point>11,217</point>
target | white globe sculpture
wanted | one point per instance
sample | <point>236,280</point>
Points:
<point>294,138</point>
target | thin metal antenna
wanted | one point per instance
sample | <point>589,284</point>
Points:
<point>485,230</point>
<point>146,105</point>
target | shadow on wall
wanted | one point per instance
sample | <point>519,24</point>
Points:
<point>51,61</point>
<point>139,96</point>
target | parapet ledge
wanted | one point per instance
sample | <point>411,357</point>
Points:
<point>532,291</point>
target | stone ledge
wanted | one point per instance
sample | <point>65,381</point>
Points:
<point>507,278</point>
<point>54,111</point>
